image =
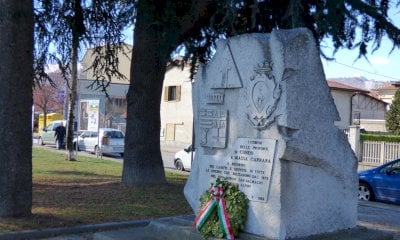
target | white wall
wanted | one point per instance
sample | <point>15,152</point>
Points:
<point>114,89</point>
<point>124,65</point>
<point>178,113</point>
<point>342,101</point>
<point>373,125</point>
<point>369,107</point>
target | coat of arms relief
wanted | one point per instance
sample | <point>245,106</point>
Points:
<point>263,94</point>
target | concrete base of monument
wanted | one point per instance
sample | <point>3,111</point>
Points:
<point>181,227</point>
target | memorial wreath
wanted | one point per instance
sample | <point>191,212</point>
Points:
<point>223,210</point>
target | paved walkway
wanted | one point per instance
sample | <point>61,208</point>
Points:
<point>375,221</point>
<point>380,216</point>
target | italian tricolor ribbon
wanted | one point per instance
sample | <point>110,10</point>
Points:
<point>216,201</point>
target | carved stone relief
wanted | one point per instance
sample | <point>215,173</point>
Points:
<point>229,75</point>
<point>213,124</point>
<point>215,98</point>
<point>263,94</point>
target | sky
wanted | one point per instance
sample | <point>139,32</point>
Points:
<point>381,65</point>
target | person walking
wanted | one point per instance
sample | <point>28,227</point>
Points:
<point>59,134</point>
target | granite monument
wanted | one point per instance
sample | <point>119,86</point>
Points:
<point>264,119</point>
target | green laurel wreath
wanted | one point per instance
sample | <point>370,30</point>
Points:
<point>236,206</point>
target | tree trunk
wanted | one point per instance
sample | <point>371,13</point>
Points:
<point>77,29</point>
<point>159,27</point>
<point>72,98</point>
<point>16,78</point>
<point>45,117</point>
<point>142,162</point>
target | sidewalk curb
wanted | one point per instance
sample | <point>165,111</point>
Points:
<point>171,228</point>
<point>52,232</point>
<point>381,205</point>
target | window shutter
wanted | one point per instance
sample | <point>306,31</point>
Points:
<point>165,94</point>
<point>178,93</point>
<point>170,133</point>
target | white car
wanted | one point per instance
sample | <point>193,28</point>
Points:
<point>47,135</point>
<point>106,140</point>
<point>183,158</point>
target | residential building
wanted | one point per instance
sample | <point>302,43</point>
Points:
<point>387,91</point>
<point>176,103</point>
<point>112,108</point>
<point>176,108</point>
<point>358,106</point>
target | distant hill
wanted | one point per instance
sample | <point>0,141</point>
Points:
<point>360,82</point>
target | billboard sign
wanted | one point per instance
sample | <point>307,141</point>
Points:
<point>89,111</point>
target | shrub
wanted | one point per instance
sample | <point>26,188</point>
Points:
<point>393,115</point>
<point>380,138</point>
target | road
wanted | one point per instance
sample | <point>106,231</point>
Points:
<point>377,215</point>
<point>168,159</point>
<point>167,155</point>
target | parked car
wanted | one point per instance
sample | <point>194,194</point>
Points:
<point>106,140</point>
<point>47,135</point>
<point>381,183</point>
<point>183,158</point>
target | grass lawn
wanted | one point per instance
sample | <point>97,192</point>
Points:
<point>89,191</point>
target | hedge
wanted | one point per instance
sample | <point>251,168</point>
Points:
<point>380,138</point>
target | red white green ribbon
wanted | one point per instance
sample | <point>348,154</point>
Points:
<point>205,212</point>
<point>224,220</point>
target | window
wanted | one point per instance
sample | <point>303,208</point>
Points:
<point>170,133</point>
<point>86,134</point>
<point>114,134</point>
<point>392,169</point>
<point>172,93</point>
<point>56,124</point>
<point>116,105</point>
<point>50,127</point>
<point>93,134</point>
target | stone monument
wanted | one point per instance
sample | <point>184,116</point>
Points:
<point>264,119</point>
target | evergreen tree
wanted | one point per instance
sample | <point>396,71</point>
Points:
<point>163,27</point>
<point>393,115</point>
<point>16,73</point>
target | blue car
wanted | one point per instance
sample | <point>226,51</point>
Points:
<point>381,183</point>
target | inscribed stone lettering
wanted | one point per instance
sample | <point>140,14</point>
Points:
<point>264,120</point>
<point>249,164</point>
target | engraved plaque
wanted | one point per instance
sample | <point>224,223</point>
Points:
<point>215,98</point>
<point>249,164</point>
<point>213,127</point>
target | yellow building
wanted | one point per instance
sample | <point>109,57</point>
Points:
<point>49,118</point>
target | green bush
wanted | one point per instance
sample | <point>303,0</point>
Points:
<point>393,115</point>
<point>380,138</point>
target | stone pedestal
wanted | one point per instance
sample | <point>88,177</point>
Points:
<point>264,119</point>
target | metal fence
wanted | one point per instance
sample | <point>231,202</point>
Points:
<point>375,153</point>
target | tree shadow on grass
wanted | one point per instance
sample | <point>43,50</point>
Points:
<point>81,174</point>
<point>35,221</point>
<point>96,202</point>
